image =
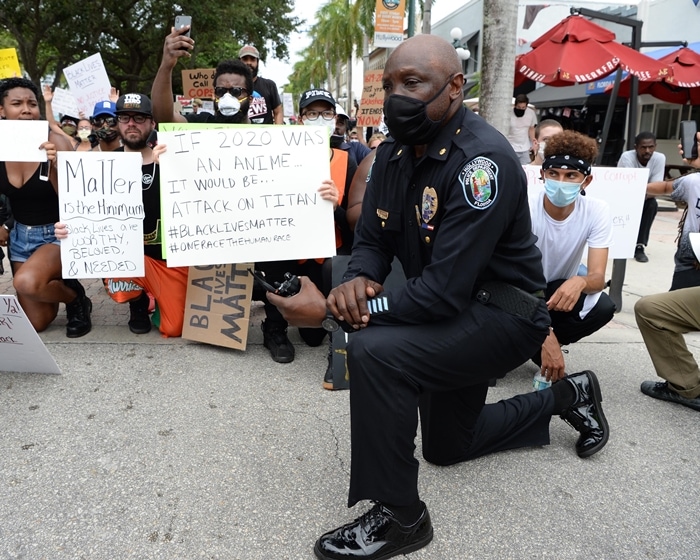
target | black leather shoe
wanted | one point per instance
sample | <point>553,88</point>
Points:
<point>374,536</point>
<point>586,414</point>
<point>662,391</point>
<point>78,311</point>
<point>139,320</point>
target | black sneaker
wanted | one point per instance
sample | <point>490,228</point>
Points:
<point>139,320</point>
<point>640,255</point>
<point>276,341</point>
<point>662,391</point>
<point>78,311</point>
<point>375,535</point>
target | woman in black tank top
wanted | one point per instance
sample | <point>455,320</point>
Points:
<point>36,257</point>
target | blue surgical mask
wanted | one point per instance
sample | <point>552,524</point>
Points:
<point>561,193</point>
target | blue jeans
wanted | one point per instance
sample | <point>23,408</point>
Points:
<point>24,240</point>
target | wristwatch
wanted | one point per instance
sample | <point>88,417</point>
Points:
<point>330,324</point>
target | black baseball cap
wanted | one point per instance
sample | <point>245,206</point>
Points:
<point>134,103</point>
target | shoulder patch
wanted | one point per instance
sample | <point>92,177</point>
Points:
<point>479,182</point>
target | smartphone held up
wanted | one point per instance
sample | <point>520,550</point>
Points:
<point>689,144</point>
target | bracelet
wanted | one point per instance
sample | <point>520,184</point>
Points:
<point>5,226</point>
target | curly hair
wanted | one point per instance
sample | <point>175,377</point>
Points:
<point>11,83</point>
<point>235,67</point>
<point>570,143</point>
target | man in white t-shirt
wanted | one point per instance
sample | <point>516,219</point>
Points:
<point>565,223</point>
<point>521,133</point>
<point>645,155</point>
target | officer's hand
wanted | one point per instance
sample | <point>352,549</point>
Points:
<point>304,309</point>
<point>567,294</point>
<point>552,359</point>
<point>176,45</point>
<point>348,302</point>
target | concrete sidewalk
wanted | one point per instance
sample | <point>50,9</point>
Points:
<point>153,448</point>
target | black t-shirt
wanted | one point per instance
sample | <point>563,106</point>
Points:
<point>150,193</point>
<point>262,105</point>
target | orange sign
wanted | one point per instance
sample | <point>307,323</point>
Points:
<point>388,23</point>
<point>372,102</point>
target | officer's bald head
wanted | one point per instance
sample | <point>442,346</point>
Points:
<point>440,55</point>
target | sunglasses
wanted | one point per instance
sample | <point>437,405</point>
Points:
<point>101,121</point>
<point>138,119</point>
<point>236,92</point>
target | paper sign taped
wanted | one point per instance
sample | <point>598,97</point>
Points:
<point>217,306</point>
<point>21,349</point>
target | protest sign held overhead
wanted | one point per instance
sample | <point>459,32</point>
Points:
<point>244,194</point>
<point>64,103</point>
<point>372,101</point>
<point>88,82</point>
<point>20,140</point>
<point>101,204</point>
<point>198,82</point>
<point>9,64</point>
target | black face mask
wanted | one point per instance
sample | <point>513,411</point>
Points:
<point>519,112</point>
<point>408,121</point>
<point>336,140</point>
<point>107,134</point>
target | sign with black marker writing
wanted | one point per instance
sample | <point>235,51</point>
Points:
<point>217,307</point>
<point>101,204</point>
<point>20,346</point>
<point>623,189</point>
<point>245,194</point>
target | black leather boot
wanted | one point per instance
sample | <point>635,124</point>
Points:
<point>586,413</point>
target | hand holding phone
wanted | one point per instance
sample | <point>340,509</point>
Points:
<point>689,143</point>
<point>182,21</point>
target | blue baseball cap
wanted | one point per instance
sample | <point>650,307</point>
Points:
<point>105,108</point>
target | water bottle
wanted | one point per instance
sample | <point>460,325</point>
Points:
<point>540,382</point>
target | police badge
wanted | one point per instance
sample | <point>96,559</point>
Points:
<point>429,207</point>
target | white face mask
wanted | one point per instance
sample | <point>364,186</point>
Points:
<point>83,134</point>
<point>228,105</point>
<point>320,121</point>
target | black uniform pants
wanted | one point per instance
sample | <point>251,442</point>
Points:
<point>443,369</point>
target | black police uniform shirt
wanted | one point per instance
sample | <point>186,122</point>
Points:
<point>262,105</point>
<point>456,218</point>
<point>150,193</point>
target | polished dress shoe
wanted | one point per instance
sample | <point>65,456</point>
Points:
<point>586,414</point>
<point>375,535</point>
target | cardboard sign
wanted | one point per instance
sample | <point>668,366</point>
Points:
<point>198,83</point>
<point>20,346</point>
<point>624,190</point>
<point>64,103</point>
<point>101,203</point>
<point>372,102</point>
<point>9,64</point>
<point>217,307</point>
<point>88,82</point>
<point>20,140</point>
<point>245,194</point>
<point>388,23</point>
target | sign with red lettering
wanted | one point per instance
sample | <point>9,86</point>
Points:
<point>198,83</point>
<point>217,306</point>
<point>372,102</point>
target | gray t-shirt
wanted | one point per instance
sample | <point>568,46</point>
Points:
<point>687,188</point>
<point>656,165</point>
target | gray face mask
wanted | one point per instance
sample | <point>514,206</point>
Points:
<point>228,105</point>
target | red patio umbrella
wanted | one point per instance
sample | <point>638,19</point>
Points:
<point>576,50</point>
<point>682,85</point>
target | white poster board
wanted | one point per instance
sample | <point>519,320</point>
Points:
<point>21,349</point>
<point>64,103</point>
<point>244,194</point>
<point>88,82</point>
<point>288,104</point>
<point>623,189</point>
<point>101,203</point>
<point>20,140</point>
